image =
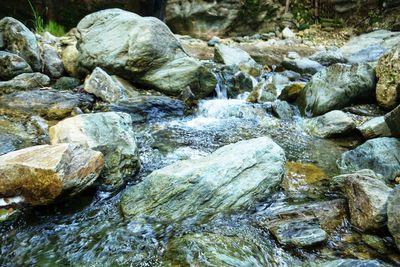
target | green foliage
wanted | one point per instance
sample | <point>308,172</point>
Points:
<point>40,26</point>
<point>375,16</point>
<point>304,15</point>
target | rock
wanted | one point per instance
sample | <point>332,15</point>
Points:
<point>392,120</point>
<point>374,128</point>
<point>19,40</point>
<point>367,199</point>
<point>12,65</point>
<point>189,188</point>
<point>393,213</point>
<point>337,87</point>
<point>375,242</point>
<point>234,81</point>
<point>52,63</point>
<point>214,41</point>
<point>40,174</point>
<point>25,81</point>
<point>69,58</point>
<point>369,47</point>
<point>329,57</point>
<point>380,155</point>
<point>142,50</point>
<point>354,263</point>
<point>110,133</point>
<point>147,108</point>
<point>337,182</point>
<point>332,124</point>
<point>50,104</point>
<point>288,34</point>
<point>291,75</point>
<point>299,233</point>
<point>291,91</point>
<point>302,65</point>
<point>388,74</point>
<point>282,110</point>
<point>235,56</point>
<point>302,176</point>
<point>104,87</point>
<point>66,83</point>
<point>263,92</point>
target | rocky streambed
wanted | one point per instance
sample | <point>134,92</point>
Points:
<point>127,150</point>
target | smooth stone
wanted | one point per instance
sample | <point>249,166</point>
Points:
<point>302,65</point>
<point>18,39</point>
<point>376,127</point>
<point>52,63</point>
<point>332,124</point>
<point>287,33</point>
<point>50,104</point>
<point>336,87</point>
<point>147,108</point>
<point>110,133</point>
<point>393,213</point>
<point>23,82</point>
<point>367,199</point>
<point>328,57</point>
<point>40,174</point>
<point>248,171</point>
<point>12,65</point>
<point>380,155</point>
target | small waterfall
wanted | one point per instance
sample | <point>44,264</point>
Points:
<point>220,88</point>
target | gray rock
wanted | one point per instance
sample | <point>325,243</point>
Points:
<point>337,87</point>
<point>52,63</point>
<point>291,75</point>
<point>12,65</point>
<point>104,87</point>
<point>236,56</point>
<point>354,263</point>
<point>337,182</point>
<point>329,57</point>
<point>302,65</point>
<point>393,213</point>
<point>248,171</point>
<point>66,83</point>
<point>288,33</point>
<point>50,104</point>
<point>299,233</point>
<point>19,40</point>
<point>282,110</point>
<point>332,124</point>
<point>373,128</point>
<point>367,198</point>
<point>142,50</point>
<point>146,108</point>
<point>234,81</point>
<point>40,174</point>
<point>110,133</point>
<point>392,120</point>
<point>369,47</point>
<point>382,155</point>
<point>25,81</point>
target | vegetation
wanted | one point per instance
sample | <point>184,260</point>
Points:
<point>40,26</point>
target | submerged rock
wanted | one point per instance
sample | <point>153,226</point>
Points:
<point>20,40</point>
<point>146,108</point>
<point>302,176</point>
<point>50,104</point>
<point>110,133</point>
<point>388,74</point>
<point>40,174</point>
<point>23,82</point>
<point>337,87</point>
<point>332,124</point>
<point>142,50</point>
<point>247,171</point>
<point>12,65</point>
<point>393,213</point>
<point>367,198</point>
<point>380,155</point>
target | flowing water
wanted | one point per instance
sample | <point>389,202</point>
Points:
<point>89,229</point>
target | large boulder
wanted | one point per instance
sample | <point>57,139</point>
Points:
<point>40,174</point>
<point>381,155</point>
<point>393,213</point>
<point>110,133</point>
<point>12,65</point>
<point>140,49</point>
<point>332,124</point>
<point>50,104</point>
<point>369,47</point>
<point>246,172</point>
<point>337,87</point>
<point>367,199</point>
<point>25,81</point>
<point>388,74</point>
<point>19,40</point>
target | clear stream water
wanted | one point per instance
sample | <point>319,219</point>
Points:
<point>89,229</point>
